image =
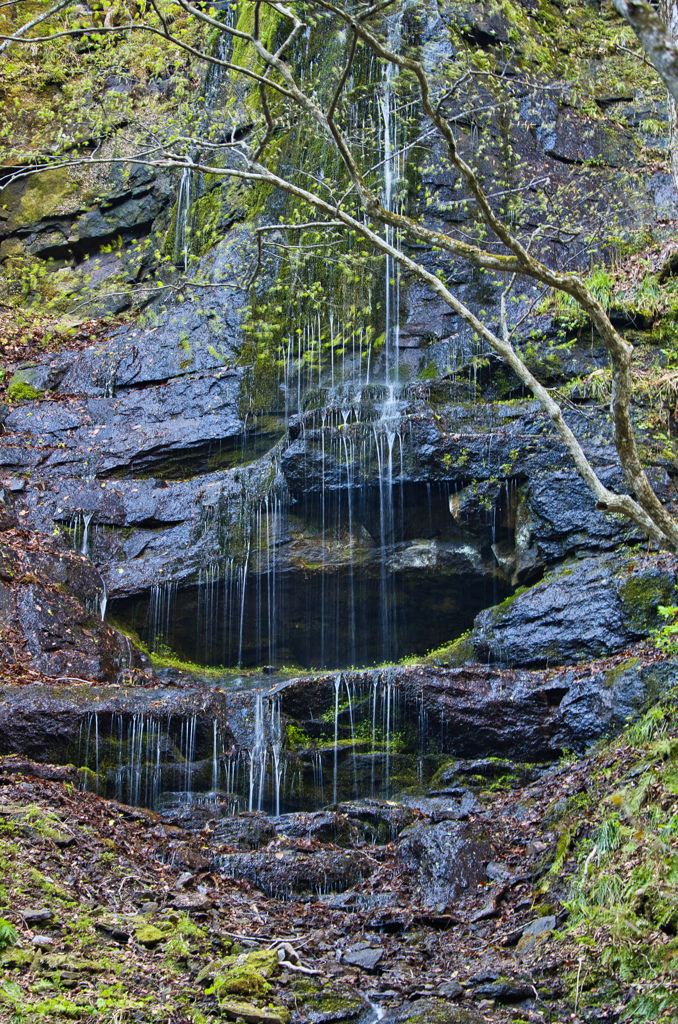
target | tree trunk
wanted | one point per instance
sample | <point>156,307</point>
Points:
<point>669,12</point>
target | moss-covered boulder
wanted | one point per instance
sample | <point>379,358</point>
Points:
<point>150,936</point>
<point>586,608</point>
<point>251,1014</point>
<point>437,1011</point>
<point>245,975</point>
<point>326,1003</point>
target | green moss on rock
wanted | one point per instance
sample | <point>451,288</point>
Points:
<point>19,391</point>
<point>438,1011</point>
<point>149,936</point>
<point>48,193</point>
<point>245,975</point>
<point>251,1014</point>
<point>642,596</point>
<point>241,981</point>
<point>613,675</point>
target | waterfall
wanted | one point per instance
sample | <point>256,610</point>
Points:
<point>242,603</point>
<point>257,755</point>
<point>86,519</point>
<point>160,614</point>
<point>337,684</point>
<point>190,752</point>
<point>385,433</point>
<point>387,740</point>
<point>276,747</point>
<point>350,715</point>
<point>374,730</point>
<point>96,748</point>
<point>84,762</point>
<point>181,244</point>
<point>369,731</point>
<point>215,763</point>
<point>393,170</point>
<point>133,768</point>
<point>267,736</point>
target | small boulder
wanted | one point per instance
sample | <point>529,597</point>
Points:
<point>149,936</point>
<point>192,901</point>
<point>437,1011</point>
<point>449,989</point>
<point>251,1014</point>
<point>535,933</point>
<point>449,858</point>
<point>244,975</point>
<point>33,917</point>
<point>366,957</point>
<point>541,924</point>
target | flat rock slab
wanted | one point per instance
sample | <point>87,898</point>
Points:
<point>285,872</point>
<point>253,1014</point>
<point>33,917</point>
<point>435,1011</point>
<point>366,958</point>
<point>192,901</point>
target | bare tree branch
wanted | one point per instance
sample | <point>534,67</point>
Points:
<point>306,226</point>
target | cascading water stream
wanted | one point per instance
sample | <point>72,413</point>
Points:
<point>276,748</point>
<point>393,169</point>
<point>337,684</point>
<point>215,762</point>
<point>370,733</point>
<point>183,207</point>
<point>350,714</point>
<point>387,739</point>
<point>257,755</point>
<point>86,519</point>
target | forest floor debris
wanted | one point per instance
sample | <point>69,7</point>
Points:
<point>111,913</point>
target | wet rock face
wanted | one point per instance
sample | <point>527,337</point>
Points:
<point>47,722</point>
<point>136,432</point>
<point>49,219</point>
<point>482,773</point>
<point>436,1011</point>
<point>247,831</point>
<point>479,711</point>
<point>479,498</point>
<point>522,714</point>
<point>65,639</point>
<point>281,872</point>
<point>581,610</point>
<point>48,597</point>
<point>449,858</point>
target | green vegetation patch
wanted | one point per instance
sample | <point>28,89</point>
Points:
<point>623,896</point>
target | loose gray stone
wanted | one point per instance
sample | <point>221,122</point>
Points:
<point>450,989</point>
<point>149,908</point>
<point>541,924</point>
<point>367,959</point>
<point>497,872</point>
<point>33,917</point>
